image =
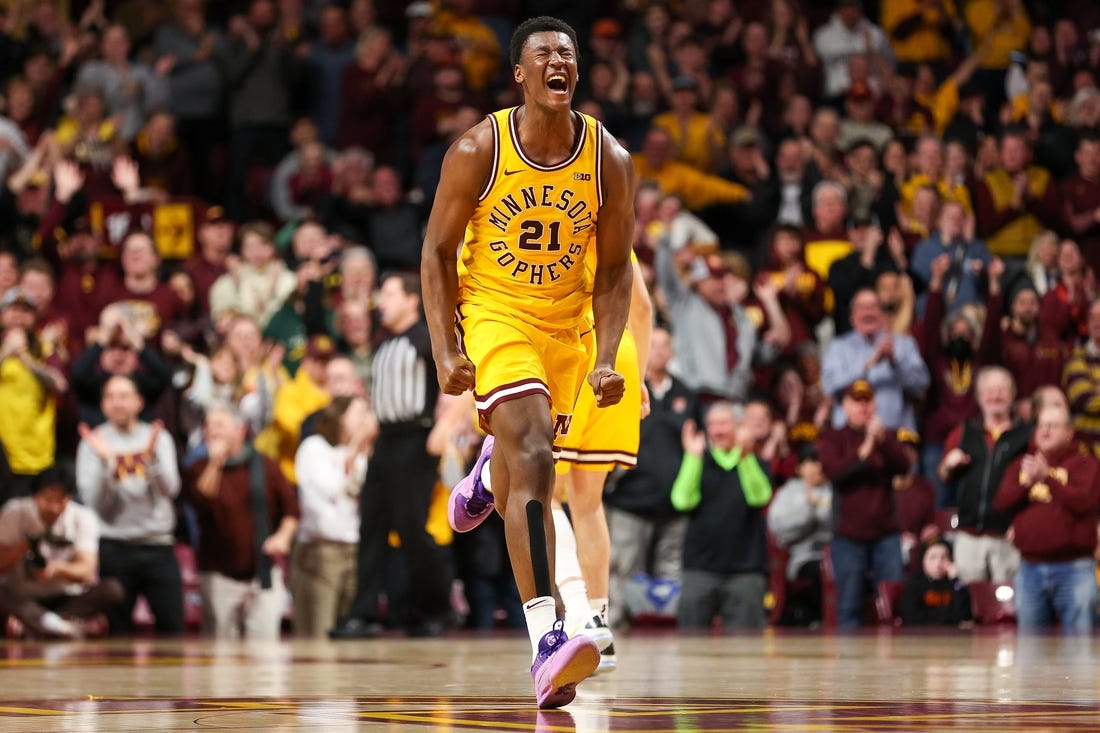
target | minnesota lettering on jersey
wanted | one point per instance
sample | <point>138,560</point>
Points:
<point>536,233</point>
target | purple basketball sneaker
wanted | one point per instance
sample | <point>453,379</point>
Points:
<point>470,501</point>
<point>560,665</point>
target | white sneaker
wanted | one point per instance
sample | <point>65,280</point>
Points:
<point>608,662</point>
<point>57,626</point>
<point>596,630</point>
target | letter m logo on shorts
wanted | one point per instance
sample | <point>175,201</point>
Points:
<point>561,424</point>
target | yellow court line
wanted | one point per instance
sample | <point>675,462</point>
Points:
<point>30,711</point>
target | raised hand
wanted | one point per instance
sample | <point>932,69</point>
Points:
<point>693,439</point>
<point>124,174</point>
<point>151,448</point>
<point>96,441</point>
<point>940,266</point>
<point>955,457</point>
<point>67,180</point>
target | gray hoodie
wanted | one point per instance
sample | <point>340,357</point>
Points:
<point>133,499</point>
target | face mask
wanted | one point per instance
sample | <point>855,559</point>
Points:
<point>960,349</point>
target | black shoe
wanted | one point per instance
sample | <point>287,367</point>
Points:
<point>356,628</point>
<point>426,629</point>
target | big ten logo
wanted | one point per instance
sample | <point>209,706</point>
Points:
<point>582,176</point>
<point>561,424</point>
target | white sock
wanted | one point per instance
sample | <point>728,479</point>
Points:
<point>486,479</point>
<point>599,605</point>
<point>567,573</point>
<point>541,613</point>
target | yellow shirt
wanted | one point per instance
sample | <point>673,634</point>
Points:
<point>947,190</point>
<point>1005,33</point>
<point>942,103</point>
<point>27,423</point>
<point>525,246</point>
<point>694,141</point>
<point>695,189</point>
<point>480,48</point>
<point>1014,239</point>
<point>927,43</point>
<point>294,402</point>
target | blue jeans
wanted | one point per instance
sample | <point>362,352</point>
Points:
<point>851,560</point>
<point>1062,591</point>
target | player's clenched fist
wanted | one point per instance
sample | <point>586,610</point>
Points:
<point>608,385</point>
<point>456,374</point>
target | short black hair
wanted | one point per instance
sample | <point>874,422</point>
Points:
<point>534,25</point>
<point>59,476</point>
<point>410,282</point>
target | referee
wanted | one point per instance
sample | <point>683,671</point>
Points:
<point>401,475</point>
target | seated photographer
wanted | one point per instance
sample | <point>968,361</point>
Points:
<point>49,557</point>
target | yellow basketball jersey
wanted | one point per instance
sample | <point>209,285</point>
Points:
<point>590,266</point>
<point>526,243</point>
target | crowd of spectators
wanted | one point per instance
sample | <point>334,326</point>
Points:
<point>871,230</point>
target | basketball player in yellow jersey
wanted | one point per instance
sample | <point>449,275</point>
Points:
<point>598,440</point>
<point>520,199</point>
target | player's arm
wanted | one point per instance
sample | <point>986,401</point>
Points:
<point>640,323</point>
<point>611,290</point>
<point>466,167</point>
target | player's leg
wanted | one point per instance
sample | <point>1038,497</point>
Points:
<point>524,445</point>
<point>585,489</point>
<point>580,617</point>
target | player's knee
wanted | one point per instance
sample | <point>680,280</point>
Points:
<point>534,462</point>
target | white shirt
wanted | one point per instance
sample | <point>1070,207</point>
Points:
<point>328,497</point>
<point>790,204</point>
<point>76,530</point>
<point>835,42</point>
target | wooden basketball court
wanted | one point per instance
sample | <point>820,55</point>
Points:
<point>887,680</point>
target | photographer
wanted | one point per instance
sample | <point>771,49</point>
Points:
<point>49,555</point>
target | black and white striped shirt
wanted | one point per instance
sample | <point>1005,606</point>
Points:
<point>404,385</point>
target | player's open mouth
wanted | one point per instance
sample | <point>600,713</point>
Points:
<point>558,83</point>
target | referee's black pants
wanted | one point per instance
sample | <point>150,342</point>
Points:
<point>396,496</point>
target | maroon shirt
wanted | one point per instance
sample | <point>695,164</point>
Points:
<point>916,504</point>
<point>951,398</point>
<point>368,113</point>
<point>204,274</point>
<point>863,491</point>
<point>1020,356</point>
<point>154,310</point>
<point>226,543</point>
<point>1059,524</point>
<point>1080,200</point>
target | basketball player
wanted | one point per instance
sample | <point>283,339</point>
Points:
<point>598,440</point>
<point>519,201</point>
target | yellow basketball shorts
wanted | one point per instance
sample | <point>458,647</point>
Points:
<point>604,437</point>
<point>513,359</point>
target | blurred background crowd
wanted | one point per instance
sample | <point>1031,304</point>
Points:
<point>889,212</point>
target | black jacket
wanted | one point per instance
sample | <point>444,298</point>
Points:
<point>979,479</point>
<point>645,490</point>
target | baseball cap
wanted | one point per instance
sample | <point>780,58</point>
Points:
<point>746,136</point>
<point>320,348</point>
<point>860,390</point>
<point>859,92</point>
